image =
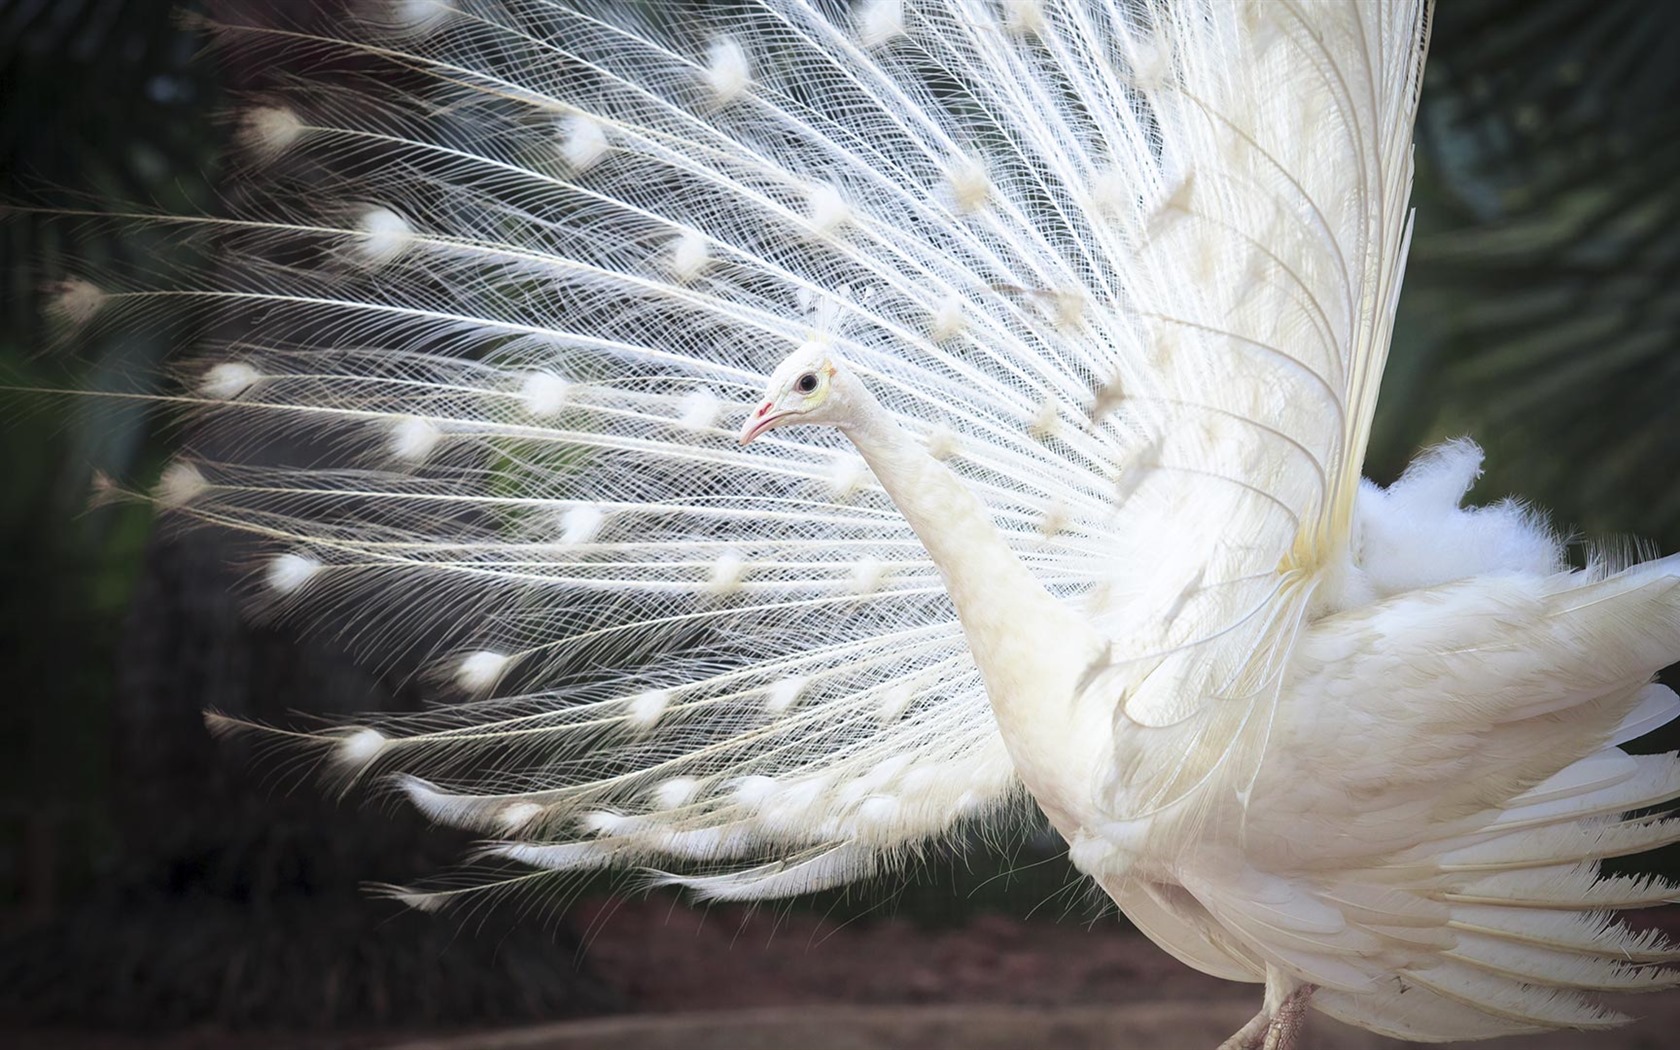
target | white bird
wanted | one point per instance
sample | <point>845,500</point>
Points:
<point>1097,296</point>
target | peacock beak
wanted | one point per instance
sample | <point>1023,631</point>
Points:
<point>763,418</point>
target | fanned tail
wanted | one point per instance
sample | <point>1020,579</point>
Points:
<point>504,277</point>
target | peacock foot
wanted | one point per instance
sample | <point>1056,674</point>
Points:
<point>1274,1030</point>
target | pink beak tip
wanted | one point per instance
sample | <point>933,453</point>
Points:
<point>750,430</point>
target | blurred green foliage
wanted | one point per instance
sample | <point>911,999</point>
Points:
<point>1539,314</point>
<point>105,104</point>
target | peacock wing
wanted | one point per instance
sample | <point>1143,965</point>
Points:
<point>1256,308</point>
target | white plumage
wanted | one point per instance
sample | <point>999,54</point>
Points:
<point>1101,292</point>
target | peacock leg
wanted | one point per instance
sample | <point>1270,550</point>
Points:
<point>1288,1020</point>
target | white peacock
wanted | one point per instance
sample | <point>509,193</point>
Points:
<point>1097,296</point>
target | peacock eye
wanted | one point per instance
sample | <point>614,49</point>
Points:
<point>806,383</point>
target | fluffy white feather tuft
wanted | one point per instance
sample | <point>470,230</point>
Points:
<point>1416,533</point>
<point>180,484</point>
<point>289,572</point>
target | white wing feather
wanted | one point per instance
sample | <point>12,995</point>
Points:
<point>1271,242</point>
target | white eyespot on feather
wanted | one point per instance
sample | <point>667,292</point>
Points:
<point>675,792</point>
<point>559,856</point>
<point>1109,397</point>
<point>1137,471</point>
<point>780,698</point>
<point>877,813</point>
<point>879,22</point>
<point>228,380</point>
<point>359,747</point>
<point>384,237</point>
<point>968,184</point>
<point>703,843</point>
<point>289,572</point>
<point>968,802</point>
<point>1256,273</point>
<point>699,409</point>
<point>870,785</point>
<point>846,476</point>
<point>1151,64</point>
<point>1066,309</point>
<point>884,773</point>
<point>581,524</point>
<point>851,792</point>
<point>1047,420</point>
<point>689,255</point>
<point>75,300</point>
<point>790,809</point>
<point>1024,17</point>
<point>444,807</point>
<point>583,141</point>
<point>644,710</point>
<point>419,16</point>
<point>1164,345</point>
<point>947,320</point>
<point>413,439</point>
<point>604,823</point>
<point>179,484</point>
<point>727,572</point>
<point>481,670</point>
<point>268,131</point>
<point>1175,207</point>
<point>825,208</point>
<point>425,903</point>
<point>867,576</point>
<point>1110,195</point>
<point>1054,519</point>
<point>942,442</point>
<point>516,815</point>
<point>728,71</point>
<point>895,701</point>
<point>922,780</point>
<point>544,394</point>
<point>754,791</point>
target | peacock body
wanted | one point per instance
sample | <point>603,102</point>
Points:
<point>1085,306</point>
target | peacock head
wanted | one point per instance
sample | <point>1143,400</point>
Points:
<point>810,386</point>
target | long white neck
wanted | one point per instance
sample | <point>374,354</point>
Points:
<point>1032,650</point>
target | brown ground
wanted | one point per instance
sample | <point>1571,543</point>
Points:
<point>753,980</point>
<point>670,958</point>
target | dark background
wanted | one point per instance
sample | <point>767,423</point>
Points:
<point>149,881</point>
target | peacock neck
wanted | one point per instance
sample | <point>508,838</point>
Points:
<point>1031,649</point>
